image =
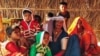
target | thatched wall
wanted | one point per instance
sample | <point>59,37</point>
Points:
<point>89,9</point>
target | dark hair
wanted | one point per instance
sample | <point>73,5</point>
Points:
<point>50,14</point>
<point>63,3</point>
<point>26,11</point>
<point>46,32</point>
<point>37,18</point>
<point>54,25</point>
<point>9,30</point>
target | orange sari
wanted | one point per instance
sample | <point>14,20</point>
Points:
<point>2,33</point>
<point>87,38</point>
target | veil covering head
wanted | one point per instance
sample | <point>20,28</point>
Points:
<point>73,28</point>
<point>60,18</point>
<point>89,35</point>
<point>27,10</point>
<point>51,23</point>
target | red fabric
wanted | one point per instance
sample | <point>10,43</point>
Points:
<point>13,49</point>
<point>29,29</point>
<point>61,53</point>
<point>33,25</point>
<point>86,41</point>
<point>87,38</point>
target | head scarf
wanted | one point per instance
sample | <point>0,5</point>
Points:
<point>73,28</point>
<point>60,18</point>
<point>26,9</point>
<point>89,35</point>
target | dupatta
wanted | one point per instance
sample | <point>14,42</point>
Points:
<point>88,37</point>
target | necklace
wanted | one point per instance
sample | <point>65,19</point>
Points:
<point>56,35</point>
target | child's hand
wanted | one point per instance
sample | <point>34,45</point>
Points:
<point>32,31</point>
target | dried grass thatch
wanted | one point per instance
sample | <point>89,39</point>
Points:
<point>89,9</point>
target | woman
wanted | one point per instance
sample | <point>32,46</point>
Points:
<point>61,43</point>
<point>58,34</point>
<point>88,42</point>
<point>13,46</point>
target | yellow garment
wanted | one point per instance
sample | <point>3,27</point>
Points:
<point>2,33</point>
<point>73,25</point>
<point>3,51</point>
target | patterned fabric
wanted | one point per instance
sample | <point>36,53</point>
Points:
<point>29,29</point>
<point>38,49</point>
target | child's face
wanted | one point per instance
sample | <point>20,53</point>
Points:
<point>16,34</point>
<point>27,17</point>
<point>46,39</point>
<point>63,8</point>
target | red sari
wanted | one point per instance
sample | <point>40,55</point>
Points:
<point>87,38</point>
<point>14,50</point>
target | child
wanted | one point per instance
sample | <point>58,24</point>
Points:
<point>13,46</point>
<point>40,48</point>
<point>29,26</point>
<point>63,12</point>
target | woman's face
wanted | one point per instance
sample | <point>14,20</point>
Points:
<point>80,26</point>
<point>16,34</point>
<point>59,24</point>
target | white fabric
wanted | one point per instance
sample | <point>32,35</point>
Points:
<point>57,18</point>
<point>27,10</point>
<point>45,27</point>
<point>3,52</point>
<point>42,35</point>
<point>64,43</point>
<point>39,54</point>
